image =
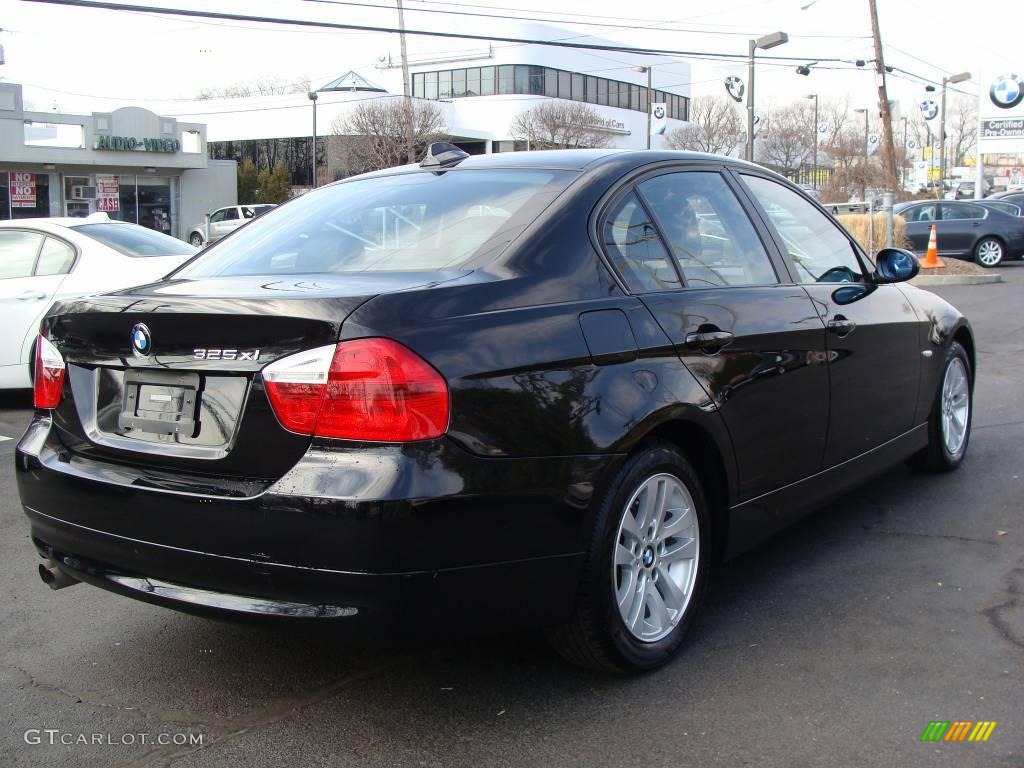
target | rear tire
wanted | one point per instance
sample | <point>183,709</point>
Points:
<point>647,569</point>
<point>949,423</point>
<point>989,252</point>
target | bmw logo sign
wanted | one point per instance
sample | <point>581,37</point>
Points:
<point>929,109</point>
<point>142,341</point>
<point>1007,91</point>
<point>659,112</point>
<point>735,88</point>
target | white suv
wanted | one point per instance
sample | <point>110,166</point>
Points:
<point>225,220</point>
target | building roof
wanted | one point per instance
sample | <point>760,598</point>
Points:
<point>352,81</point>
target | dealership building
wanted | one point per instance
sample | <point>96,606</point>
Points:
<point>479,90</point>
<point>131,163</point>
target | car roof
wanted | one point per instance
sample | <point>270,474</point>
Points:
<point>563,159</point>
<point>64,221</point>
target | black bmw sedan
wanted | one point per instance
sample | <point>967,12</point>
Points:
<point>964,230</point>
<point>548,387</point>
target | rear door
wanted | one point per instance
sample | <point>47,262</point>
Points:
<point>873,349</point>
<point>960,227</point>
<point>755,343</point>
<point>32,267</point>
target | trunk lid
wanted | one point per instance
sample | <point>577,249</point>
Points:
<point>192,400</point>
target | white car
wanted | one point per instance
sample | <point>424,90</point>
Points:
<point>46,260</point>
<point>224,221</point>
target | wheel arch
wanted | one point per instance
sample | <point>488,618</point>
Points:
<point>965,338</point>
<point>711,459</point>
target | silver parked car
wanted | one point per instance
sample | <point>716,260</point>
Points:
<point>225,220</point>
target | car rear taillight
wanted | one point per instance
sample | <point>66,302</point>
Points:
<point>49,374</point>
<point>364,389</point>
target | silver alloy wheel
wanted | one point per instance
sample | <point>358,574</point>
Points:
<point>956,405</point>
<point>196,240</point>
<point>990,253</point>
<point>657,550</point>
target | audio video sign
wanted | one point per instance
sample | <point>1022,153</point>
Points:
<point>131,144</point>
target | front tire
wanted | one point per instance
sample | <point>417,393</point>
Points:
<point>196,240</point>
<point>989,252</point>
<point>646,572</point>
<point>949,423</point>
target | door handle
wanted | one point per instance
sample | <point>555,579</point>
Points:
<point>709,341</point>
<point>841,326</point>
<point>31,296</point>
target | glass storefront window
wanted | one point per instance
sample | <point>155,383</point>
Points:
<point>25,195</point>
<point>444,85</point>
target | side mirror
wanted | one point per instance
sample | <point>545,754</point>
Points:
<point>895,265</point>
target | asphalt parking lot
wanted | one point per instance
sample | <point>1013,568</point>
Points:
<point>834,644</point>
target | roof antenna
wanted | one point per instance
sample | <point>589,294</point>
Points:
<point>441,154</point>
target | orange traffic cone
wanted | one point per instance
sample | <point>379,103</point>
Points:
<point>931,257</point>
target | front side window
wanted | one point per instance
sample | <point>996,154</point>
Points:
<point>819,249</point>
<point>632,243</point>
<point>707,230</point>
<point>921,213</point>
<point>18,251</point>
<point>409,222</point>
<point>218,215</point>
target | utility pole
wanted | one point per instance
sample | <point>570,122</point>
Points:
<point>883,99</point>
<point>410,147</point>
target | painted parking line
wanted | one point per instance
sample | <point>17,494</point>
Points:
<point>2,438</point>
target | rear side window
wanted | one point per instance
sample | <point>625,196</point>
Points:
<point>56,258</point>
<point>635,249</point>
<point>953,211</point>
<point>707,230</point>
<point>406,222</point>
<point>18,251</point>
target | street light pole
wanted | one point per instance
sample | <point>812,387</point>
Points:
<point>764,43</point>
<point>312,97</point>
<point>957,78</point>
<point>814,137</point>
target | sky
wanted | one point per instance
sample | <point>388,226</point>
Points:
<point>84,60</point>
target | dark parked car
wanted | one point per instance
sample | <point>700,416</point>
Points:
<point>964,230</point>
<point>1010,197</point>
<point>548,387</point>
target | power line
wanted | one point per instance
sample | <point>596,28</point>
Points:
<point>652,26</point>
<point>711,55</point>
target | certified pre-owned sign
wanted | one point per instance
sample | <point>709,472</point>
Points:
<point>1003,128</point>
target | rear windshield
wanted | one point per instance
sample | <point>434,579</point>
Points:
<point>135,241</point>
<point>409,222</point>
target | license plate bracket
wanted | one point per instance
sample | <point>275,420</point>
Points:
<point>159,402</point>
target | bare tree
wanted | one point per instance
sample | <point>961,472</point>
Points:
<point>560,125</point>
<point>715,127</point>
<point>373,135</point>
<point>789,135</point>
<point>962,129</point>
<point>264,86</point>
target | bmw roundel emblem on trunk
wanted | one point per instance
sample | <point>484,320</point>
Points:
<point>142,342</point>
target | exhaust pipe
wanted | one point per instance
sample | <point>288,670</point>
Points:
<point>54,577</point>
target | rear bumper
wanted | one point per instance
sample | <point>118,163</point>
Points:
<point>390,533</point>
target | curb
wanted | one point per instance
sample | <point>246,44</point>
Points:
<point>924,280</point>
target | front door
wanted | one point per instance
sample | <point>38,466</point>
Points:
<point>873,347</point>
<point>919,220</point>
<point>959,226</point>
<point>755,344</point>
